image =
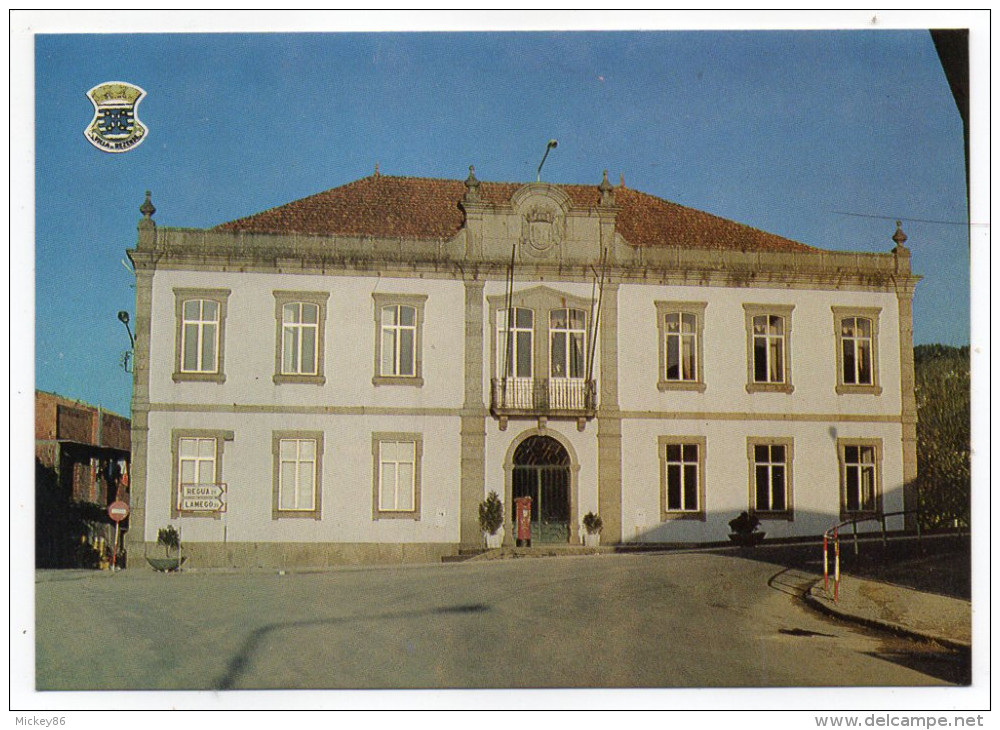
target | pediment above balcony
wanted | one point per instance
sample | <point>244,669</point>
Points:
<point>540,298</point>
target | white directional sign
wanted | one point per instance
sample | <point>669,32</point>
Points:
<point>202,498</point>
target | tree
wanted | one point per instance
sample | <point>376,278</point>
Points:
<point>943,393</point>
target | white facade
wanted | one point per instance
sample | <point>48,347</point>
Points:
<point>389,439</point>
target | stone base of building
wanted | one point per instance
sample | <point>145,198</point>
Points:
<point>289,555</point>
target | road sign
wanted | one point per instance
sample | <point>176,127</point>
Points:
<point>202,498</point>
<point>118,510</point>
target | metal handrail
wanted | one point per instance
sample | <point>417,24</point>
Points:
<point>834,533</point>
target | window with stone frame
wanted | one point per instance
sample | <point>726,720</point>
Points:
<point>298,469</point>
<point>396,467</point>
<point>681,330</point>
<point>398,339</point>
<point>769,348</point>
<point>299,340</point>
<point>857,349</point>
<point>197,461</point>
<point>200,334</point>
<point>860,477</point>
<point>682,477</point>
<point>770,477</point>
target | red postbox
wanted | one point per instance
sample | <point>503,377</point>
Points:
<point>522,508</point>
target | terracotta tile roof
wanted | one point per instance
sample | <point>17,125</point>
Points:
<point>384,206</point>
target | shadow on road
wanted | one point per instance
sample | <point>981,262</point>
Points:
<point>240,663</point>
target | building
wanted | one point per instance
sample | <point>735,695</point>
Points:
<point>82,453</point>
<point>345,377</point>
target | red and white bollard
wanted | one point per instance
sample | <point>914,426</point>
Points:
<point>826,566</point>
<point>836,567</point>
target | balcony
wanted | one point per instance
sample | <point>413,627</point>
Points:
<point>569,398</point>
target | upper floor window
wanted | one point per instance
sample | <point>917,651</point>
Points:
<point>515,342</point>
<point>300,319</point>
<point>398,339</point>
<point>857,348</point>
<point>680,325</point>
<point>769,332</point>
<point>200,338</point>
<point>567,343</point>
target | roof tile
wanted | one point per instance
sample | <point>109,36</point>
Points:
<point>384,206</point>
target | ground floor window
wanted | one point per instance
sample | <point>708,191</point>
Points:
<point>198,487</point>
<point>682,485</point>
<point>860,462</point>
<point>397,458</point>
<point>297,474</point>
<point>770,477</point>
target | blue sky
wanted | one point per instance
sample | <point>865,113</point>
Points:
<point>785,131</point>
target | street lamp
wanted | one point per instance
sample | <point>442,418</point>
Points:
<point>126,358</point>
<point>550,146</point>
<point>124,319</point>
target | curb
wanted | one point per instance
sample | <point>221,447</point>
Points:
<point>872,623</point>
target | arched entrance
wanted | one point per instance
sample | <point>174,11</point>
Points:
<point>541,470</point>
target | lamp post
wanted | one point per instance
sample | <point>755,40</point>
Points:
<point>127,356</point>
<point>550,146</point>
<point>124,319</point>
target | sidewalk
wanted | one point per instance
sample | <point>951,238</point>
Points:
<point>945,620</point>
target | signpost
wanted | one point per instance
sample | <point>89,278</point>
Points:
<point>117,511</point>
<point>202,498</point>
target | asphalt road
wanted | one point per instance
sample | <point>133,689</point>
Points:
<point>673,620</point>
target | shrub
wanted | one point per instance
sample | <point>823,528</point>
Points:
<point>491,513</point>
<point>169,538</point>
<point>593,523</point>
<point>745,524</point>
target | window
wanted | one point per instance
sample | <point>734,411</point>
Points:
<point>197,461</point>
<point>398,339</point>
<point>567,348</point>
<point>539,355</point>
<point>301,320</point>
<point>857,348</point>
<point>200,336</point>
<point>682,491</point>
<point>769,332</point>
<point>680,326</point>
<point>396,465</point>
<point>770,477</point>
<point>514,353</point>
<point>859,476</point>
<point>298,467</point>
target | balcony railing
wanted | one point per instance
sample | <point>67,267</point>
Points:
<point>568,397</point>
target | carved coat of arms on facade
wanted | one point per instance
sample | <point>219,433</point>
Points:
<point>115,126</point>
<point>541,231</point>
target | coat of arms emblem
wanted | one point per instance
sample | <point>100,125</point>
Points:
<point>540,231</point>
<point>115,126</point>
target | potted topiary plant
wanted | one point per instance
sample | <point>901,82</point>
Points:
<point>170,539</point>
<point>491,520</point>
<point>745,530</point>
<point>592,523</point>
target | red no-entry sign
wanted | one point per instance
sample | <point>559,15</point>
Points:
<point>118,510</point>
